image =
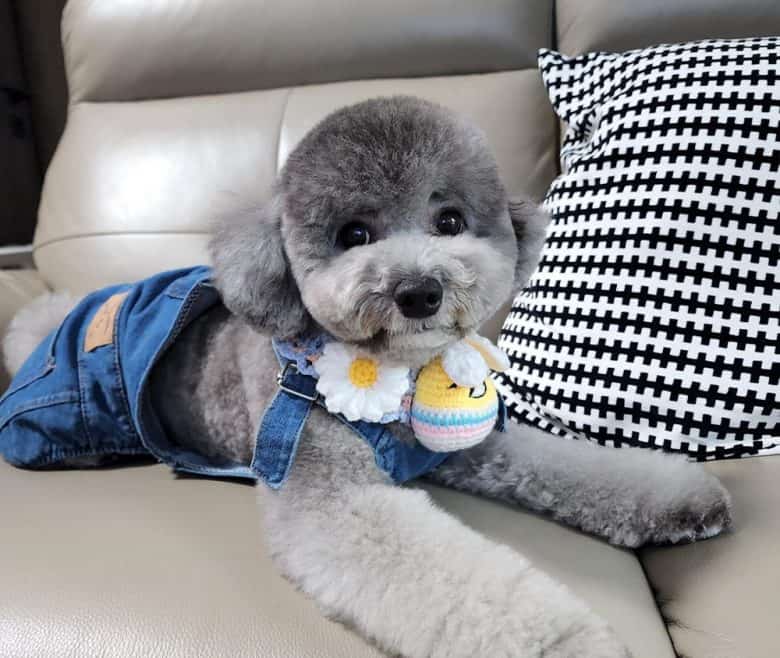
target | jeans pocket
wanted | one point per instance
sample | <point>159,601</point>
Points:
<point>41,430</point>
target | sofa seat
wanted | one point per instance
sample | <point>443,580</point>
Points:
<point>722,596</point>
<point>135,561</point>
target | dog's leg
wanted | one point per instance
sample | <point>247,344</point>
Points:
<point>412,578</point>
<point>629,496</point>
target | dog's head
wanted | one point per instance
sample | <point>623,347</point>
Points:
<point>389,228</point>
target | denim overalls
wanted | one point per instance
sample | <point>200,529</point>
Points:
<point>84,392</point>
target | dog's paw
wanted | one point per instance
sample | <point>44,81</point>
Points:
<point>526,614</point>
<point>705,513</point>
<point>686,505</point>
<point>591,638</point>
<point>579,635</point>
<point>572,633</point>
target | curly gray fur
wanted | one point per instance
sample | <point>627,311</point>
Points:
<point>405,574</point>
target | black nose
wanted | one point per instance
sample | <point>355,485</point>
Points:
<point>418,298</point>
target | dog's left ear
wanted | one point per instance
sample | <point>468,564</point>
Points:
<point>530,223</point>
<point>253,275</point>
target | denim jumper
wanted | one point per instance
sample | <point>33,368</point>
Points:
<point>84,391</point>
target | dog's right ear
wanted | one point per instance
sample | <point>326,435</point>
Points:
<point>530,223</point>
<point>253,275</point>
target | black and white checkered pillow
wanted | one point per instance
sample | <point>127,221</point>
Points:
<point>653,317</point>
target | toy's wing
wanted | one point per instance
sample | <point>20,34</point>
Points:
<point>494,357</point>
<point>464,365</point>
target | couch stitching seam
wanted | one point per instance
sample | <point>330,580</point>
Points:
<point>281,126</point>
<point>103,234</point>
<point>657,602</point>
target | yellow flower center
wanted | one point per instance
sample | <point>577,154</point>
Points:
<point>363,373</point>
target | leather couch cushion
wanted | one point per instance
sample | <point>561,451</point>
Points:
<point>721,595</point>
<point>133,561</point>
<point>134,187</point>
<point>615,26</point>
<point>140,50</point>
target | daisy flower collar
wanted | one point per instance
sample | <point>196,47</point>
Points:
<point>357,386</point>
<point>351,381</point>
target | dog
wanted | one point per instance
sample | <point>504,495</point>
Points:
<point>390,230</point>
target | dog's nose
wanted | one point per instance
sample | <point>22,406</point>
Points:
<point>419,298</point>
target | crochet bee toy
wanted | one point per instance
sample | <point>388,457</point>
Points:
<point>455,404</point>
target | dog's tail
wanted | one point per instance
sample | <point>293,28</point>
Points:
<point>32,324</point>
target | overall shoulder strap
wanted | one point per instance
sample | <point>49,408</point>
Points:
<point>280,430</point>
<point>284,419</point>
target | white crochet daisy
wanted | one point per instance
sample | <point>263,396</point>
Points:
<point>356,385</point>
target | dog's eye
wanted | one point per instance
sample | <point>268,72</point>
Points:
<point>449,222</point>
<point>353,234</point>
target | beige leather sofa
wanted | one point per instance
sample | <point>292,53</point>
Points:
<point>182,111</point>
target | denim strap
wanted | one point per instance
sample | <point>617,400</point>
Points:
<point>283,421</point>
<point>280,431</point>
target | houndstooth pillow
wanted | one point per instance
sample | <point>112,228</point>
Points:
<point>652,319</point>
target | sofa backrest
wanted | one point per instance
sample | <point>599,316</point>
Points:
<point>614,25</point>
<point>183,112</point>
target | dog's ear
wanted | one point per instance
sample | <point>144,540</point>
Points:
<point>253,275</point>
<point>530,223</point>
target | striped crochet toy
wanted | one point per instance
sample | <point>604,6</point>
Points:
<point>455,404</point>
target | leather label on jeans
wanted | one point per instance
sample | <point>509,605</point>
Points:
<point>101,329</point>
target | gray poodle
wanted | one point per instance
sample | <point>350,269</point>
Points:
<point>390,230</point>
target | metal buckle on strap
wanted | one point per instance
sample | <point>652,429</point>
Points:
<point>280,379</point>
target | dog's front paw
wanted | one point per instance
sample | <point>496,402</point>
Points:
<point>580,636</point>
<point>684,505</point>
<point>525,613</point>
<point>704,512</point>
<point>574,632</point>
<point>590,638</point>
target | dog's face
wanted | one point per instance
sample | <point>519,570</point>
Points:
<point>389,229</point>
